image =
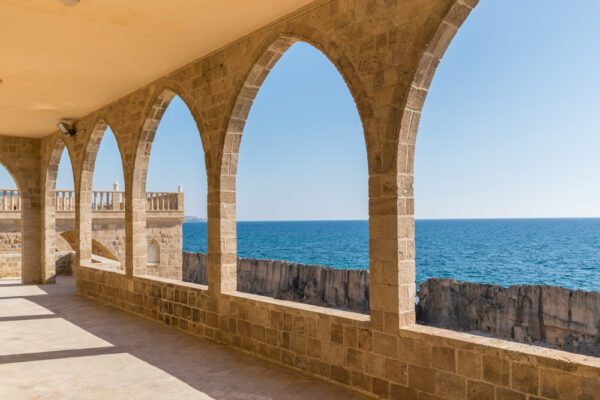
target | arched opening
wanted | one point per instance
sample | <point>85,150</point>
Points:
<point>302,187</point>
<point>506,177</point>
<point>175,168</point>
<point>10,227</point>
<point>102,199</point>
<point>60,207</point>
<point>153,253</point>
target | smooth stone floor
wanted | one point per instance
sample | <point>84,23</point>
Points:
<point>57,345</point>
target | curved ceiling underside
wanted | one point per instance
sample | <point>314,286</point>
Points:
<point>59,62</point>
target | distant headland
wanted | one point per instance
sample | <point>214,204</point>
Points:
<point>191,218</point>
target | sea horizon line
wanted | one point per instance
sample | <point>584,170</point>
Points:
<point>416,219</point>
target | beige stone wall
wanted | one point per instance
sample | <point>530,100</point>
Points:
<point>417,362</point>
<point>10,236</point>
<point>387,52</point>
<point>346,289</point>
<point>111,234</point>
<point>10,265</point>
<point>165,230</point>
<point>168,236</point>
<point>21,157</point>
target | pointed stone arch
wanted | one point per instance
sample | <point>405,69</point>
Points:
<point>222,272</point>
<point>26,274</point>
<point>136,197</point>
<point>392,228</point>
<point>83,188</point>
<point>425,70</point>
<point>57,146</point>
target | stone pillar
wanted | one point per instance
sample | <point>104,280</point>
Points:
<point>83,220</point>
<point>391,247</point>
<point>116,197</point>
<point>31,250</point>
<point>135,225</point>
<point>48,238</point>
<point>222,242</point>
<point>180,203</point>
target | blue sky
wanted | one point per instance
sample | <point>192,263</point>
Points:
<point>510,128</point>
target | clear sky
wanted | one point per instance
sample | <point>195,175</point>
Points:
<point>510,128</point>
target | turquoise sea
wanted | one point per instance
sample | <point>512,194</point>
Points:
<point>562,252</point>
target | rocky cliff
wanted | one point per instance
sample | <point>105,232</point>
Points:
<point>322,286</point>
<point>550,315</point>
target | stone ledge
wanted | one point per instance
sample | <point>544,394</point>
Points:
<point>173,282</point>
<point>101,267</point>
<point>350,316</point>
<point>544,356</point>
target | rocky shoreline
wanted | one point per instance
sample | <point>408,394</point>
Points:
<point>545,315</point>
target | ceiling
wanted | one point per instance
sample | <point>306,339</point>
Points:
<point>60,62</point>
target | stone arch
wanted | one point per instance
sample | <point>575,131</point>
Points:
<point>423,76</point>
<point>267,57</point>
<point>391,203</point>
<point>136,197</point>
<point>154,114</point>
<point>83,188</point>
<point>25,272</point>
<point>222,181</point>
<point>49,207</point>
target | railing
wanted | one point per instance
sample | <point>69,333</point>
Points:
<point>10,200</point>
<point>108,201</point>
<point>162,201</point>
<point>65,200</point>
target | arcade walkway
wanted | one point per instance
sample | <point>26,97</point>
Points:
<point>57,345</point>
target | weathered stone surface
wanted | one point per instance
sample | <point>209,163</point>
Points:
<point>311,284</point>
<point>65,261</point>
<point>549,315</point>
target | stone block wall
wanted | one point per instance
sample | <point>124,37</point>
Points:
<point>65,262</point>
<point>417,362</point>
<point>111,234</point>
<point>168,235</point>
<point>387,51</point>
<point>10,265</point>
<point>10,239</point>
<point>526,313</point>
<point>310,284</point>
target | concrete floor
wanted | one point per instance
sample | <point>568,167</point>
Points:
<point>56,345</point>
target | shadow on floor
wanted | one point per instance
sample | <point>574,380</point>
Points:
<point>215,370</point>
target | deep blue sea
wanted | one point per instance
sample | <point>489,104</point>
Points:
<point>563,252</point>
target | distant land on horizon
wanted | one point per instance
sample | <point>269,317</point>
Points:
<point>199,219</point>
<point>191,218</point>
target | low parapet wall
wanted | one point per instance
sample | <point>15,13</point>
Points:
<point>556,316</point>
<point>10,265</point>
<point>310,284</point>
<point>417,362</point>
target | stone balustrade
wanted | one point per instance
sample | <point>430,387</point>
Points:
<point>164,201</point>
<point>10,201</point>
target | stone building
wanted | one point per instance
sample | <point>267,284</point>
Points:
<point>165,215</point>
<point>215,55</point>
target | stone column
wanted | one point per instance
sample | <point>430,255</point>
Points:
<point>83,219</point>
<point>135,225</point>
<point>116,197</point>
<point>222,242</point>
<point>391,247</point>
<point>31,250</point>
<point>180,203</point>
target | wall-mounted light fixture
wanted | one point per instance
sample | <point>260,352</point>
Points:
<point>66,128</point>
<point>70,3</point>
